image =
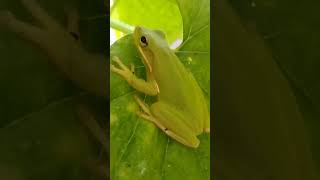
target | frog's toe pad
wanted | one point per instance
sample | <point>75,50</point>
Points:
<point>115,69</point>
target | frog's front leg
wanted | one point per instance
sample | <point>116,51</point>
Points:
<point>170,120</point>
<point>147,87</point>
<point>146,113</point>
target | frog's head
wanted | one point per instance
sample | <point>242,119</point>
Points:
<point>149,43</point>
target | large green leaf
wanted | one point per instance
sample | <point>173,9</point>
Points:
<point>139,150</point>
<point>39,135</point>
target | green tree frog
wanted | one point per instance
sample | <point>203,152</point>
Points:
<point>180,110</point>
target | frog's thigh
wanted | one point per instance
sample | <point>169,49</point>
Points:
<point>174,124</point>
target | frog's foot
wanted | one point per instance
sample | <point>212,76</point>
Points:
<point>123,70</point>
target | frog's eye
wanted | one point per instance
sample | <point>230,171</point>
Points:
<point>143,41</point>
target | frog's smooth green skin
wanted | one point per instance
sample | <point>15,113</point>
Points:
<point>181,110</point>
<point>89,71</point>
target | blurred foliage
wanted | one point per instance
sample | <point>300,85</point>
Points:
<point>40,137</point>
<point>259,134</point>
<point>291,29</point>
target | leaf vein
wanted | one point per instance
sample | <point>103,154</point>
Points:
<point>127,145</point>
<point>164,159</point>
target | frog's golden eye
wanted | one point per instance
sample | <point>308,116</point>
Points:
<point>144,41</point>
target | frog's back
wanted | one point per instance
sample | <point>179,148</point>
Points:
<point>183,92</point>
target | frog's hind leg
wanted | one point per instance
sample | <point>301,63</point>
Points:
<point>169,121</point>
<point>164,129</point>
<point>144,106</point>
<point>146,114</point>
<point>152,119</point>
<point>174,122</point>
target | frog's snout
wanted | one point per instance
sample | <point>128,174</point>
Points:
<point>138,28</point>
<point>137,31</point>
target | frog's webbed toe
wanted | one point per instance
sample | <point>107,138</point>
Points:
<point>122,69</point>
<point>120,63</point>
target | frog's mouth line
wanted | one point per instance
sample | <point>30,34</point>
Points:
<point>145,59</point>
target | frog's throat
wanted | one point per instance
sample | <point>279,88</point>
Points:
<point>145,59</point>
